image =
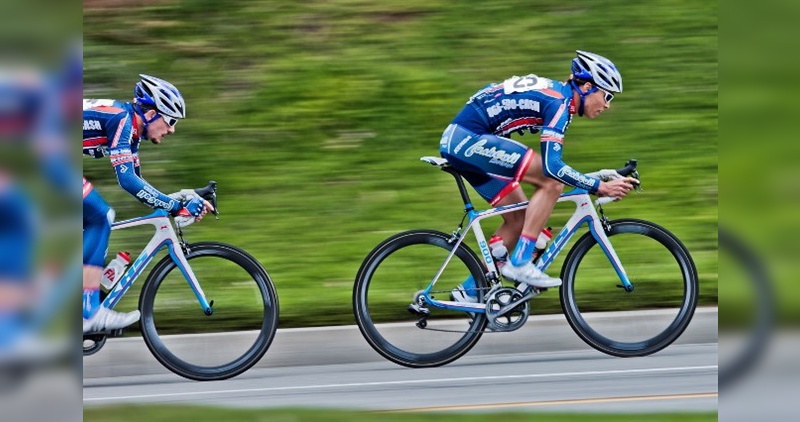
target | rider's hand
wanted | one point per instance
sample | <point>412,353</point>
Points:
<point>617,188</point>
<point>196,207</point>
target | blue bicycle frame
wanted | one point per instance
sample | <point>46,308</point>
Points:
<point>584,213</point>
<point>164,236</point>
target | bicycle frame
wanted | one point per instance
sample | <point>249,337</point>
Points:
<point>584,213</point>
<point>164,236</point>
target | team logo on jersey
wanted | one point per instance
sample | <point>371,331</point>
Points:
<point>512,104</point>
<point>498,156</point>
<point>582,180</point>
<point>91,125</point>
<point>150,196</point>
<point>461,144</point>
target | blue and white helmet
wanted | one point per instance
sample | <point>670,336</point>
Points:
<point>160,95</point>
<point>598,70</point>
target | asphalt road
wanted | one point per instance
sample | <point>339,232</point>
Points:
<point>542,367</point>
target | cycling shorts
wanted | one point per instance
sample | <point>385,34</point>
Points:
<point>493,165</point>
<point>97,219</point>
<point>17,235</point>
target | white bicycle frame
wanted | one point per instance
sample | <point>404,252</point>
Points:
<point>164,236</point>
<point>584,213</point>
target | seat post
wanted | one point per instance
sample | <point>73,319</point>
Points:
<point>462,189</point>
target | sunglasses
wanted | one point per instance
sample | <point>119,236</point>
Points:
<point>172,122</point>
<point>609,96</point>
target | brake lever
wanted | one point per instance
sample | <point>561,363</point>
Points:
<point>209,193</point>
<point>630,170</point>
<point>638,186</point>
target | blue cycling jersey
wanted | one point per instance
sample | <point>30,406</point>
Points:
<point>110,130</point>
<point>528,103</point>
<point>32,110</point>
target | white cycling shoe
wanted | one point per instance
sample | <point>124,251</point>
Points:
<point>529,275</point>
<point>105,319</point>
<point>459,294</point>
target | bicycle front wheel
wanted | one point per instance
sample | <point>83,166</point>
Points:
<point>388,282</point>
<point>665,290</point>
<point>209,347</point>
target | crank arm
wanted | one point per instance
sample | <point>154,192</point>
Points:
<point>506,309</point>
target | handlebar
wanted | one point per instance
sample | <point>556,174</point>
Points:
<point>209,193</point>
<point>629,169</point>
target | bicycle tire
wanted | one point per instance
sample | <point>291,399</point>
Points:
<point>758,335</point>
<point>264,334</point>
<point>685,303</point>
<point>377,335</point>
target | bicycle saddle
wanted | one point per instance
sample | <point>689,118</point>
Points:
<point>435,161</point>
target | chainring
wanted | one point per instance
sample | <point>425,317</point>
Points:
<point>514,318</point>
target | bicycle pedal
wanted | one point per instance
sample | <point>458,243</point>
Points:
<point>416,309</point>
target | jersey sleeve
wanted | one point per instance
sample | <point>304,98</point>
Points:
<point>51,145</point>
<point>126,165</point>
<point>556,121</point>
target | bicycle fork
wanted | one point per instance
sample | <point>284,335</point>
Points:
<point>599,226</point>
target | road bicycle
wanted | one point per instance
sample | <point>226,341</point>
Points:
<point>224,289</point>
<point>618,265</point>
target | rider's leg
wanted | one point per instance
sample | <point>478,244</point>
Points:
<point>513,222</point>
<point>536,215</point>
<point>541,204</point>
<point>509,230</point>
<point>91,289</point>
<point>493,165</point>
<point>17,249</point>
<point>97,219</point>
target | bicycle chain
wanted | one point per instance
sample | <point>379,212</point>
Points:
<point>441,330</point>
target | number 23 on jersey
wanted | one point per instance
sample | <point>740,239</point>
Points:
<point>525,83</point>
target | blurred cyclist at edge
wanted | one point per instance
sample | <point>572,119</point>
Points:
<point>115,129</point>
<point>475,144</point>
<point>33,149</point>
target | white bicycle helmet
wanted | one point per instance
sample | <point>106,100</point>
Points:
<point>161,95</point>
<point>598,70</point>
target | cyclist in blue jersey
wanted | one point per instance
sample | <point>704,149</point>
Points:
<point>115,129</point>
<point>32,126</point>
<point>476,144</point>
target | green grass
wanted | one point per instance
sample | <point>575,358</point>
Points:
<point>176,413</point>
<point>312,117</point>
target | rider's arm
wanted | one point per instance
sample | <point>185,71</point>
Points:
<point>125,163</point>
<point>51,145</point>
<point>138,187</point>
<point>557,119</point>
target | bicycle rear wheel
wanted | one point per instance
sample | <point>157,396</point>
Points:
<point>665,284</point>
<point>388,281</point>
<point>209,347</point>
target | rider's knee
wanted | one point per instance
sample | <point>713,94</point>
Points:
<point>552,186</point>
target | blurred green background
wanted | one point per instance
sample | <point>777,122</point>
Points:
<point>312,117</point>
